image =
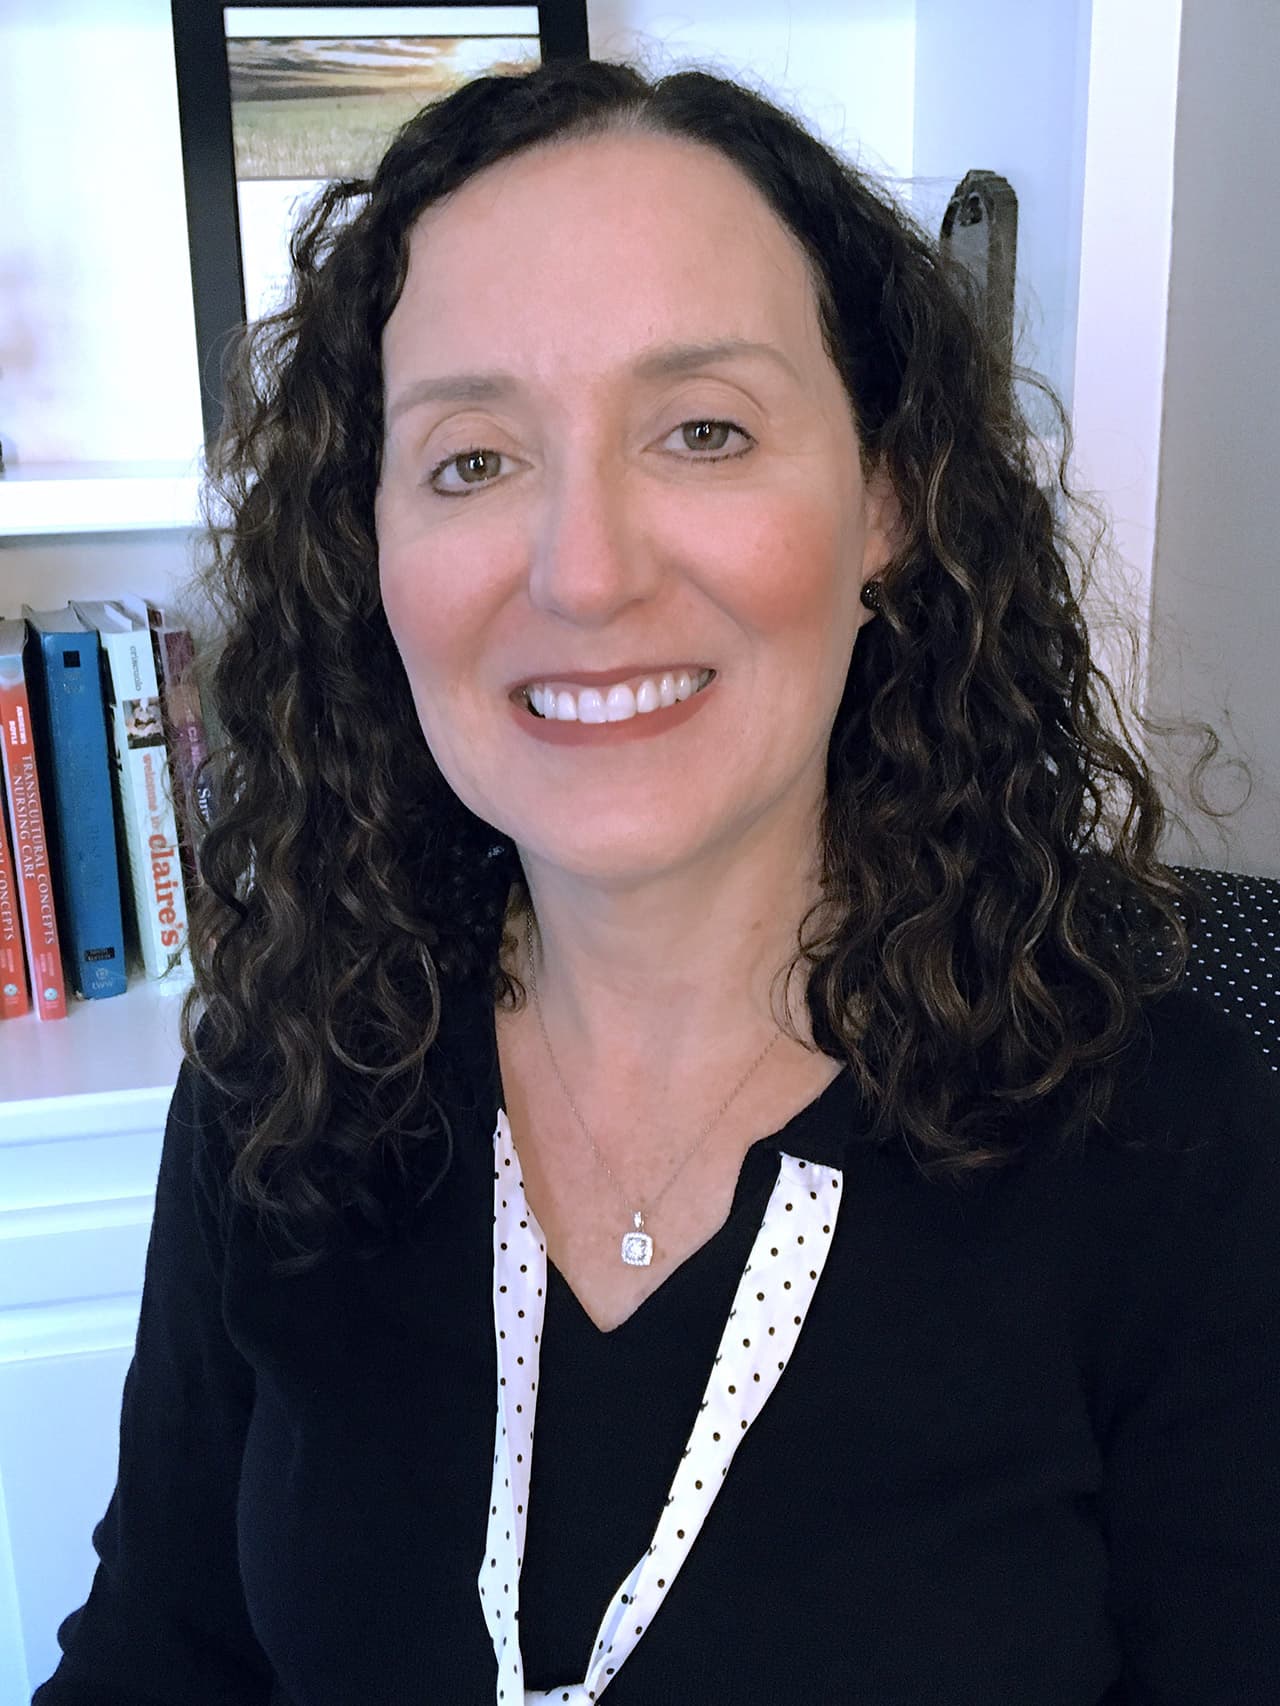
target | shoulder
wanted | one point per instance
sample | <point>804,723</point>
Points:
<point>218,1109</point>
<point>1197,1114</point>
<point>1184,1165</point>
<point>1195,1080</point>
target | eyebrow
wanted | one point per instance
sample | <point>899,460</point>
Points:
<point>660,363</point>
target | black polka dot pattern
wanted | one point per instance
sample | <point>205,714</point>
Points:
<point>763,1326</point>
<point>1235,950</point>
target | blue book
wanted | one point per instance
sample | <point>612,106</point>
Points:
<point>70,720</point>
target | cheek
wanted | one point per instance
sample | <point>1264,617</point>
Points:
<point>426,598</point>
<point>798,597</point>
<point>427,641</point>
<point>401,599</point>
<point>793,572</point>
<point>406,572</point>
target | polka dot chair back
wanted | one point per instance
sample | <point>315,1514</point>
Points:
<point>1235,950</point>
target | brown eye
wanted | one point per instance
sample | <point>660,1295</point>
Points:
<point>709,435</point>
<point>479,462</point>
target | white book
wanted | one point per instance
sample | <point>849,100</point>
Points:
<point>146,790</point>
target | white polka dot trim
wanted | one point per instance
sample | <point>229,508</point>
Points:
<point>768,1311</point>
<point>1235,950</point>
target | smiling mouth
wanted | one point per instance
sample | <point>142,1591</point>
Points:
<point>619,705</point>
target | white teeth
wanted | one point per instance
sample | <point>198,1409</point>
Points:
<point>620,703</point>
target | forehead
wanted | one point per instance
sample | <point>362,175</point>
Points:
<point>580,251</point>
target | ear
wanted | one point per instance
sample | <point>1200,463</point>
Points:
<point>886,528</point>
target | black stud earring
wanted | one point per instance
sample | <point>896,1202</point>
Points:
<point>872,594</point>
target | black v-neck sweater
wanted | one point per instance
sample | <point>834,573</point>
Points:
<point>1026,1452</point>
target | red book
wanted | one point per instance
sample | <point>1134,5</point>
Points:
<point>14,1000</point>
<point>31,853</point>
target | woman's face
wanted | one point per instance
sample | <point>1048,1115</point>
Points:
<point>598,531</point>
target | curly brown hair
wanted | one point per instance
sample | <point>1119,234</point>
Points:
<point>987,914</point>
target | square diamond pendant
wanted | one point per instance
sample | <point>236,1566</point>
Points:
<point>637,1249</point>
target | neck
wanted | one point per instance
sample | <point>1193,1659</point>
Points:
<point>691,980</point>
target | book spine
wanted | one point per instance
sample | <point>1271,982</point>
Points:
<point>14,1001</point>
<point>31,854</point>
<point>137,727</point>
<point>187,747</point>
<point>87,866</point>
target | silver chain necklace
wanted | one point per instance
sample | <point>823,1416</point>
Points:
<point>637,1246</point>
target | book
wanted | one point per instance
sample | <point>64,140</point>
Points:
<point>145,791</point>
<point>26,819</point>
<point>64,680</point>
<point>174,652</point>
<point>14,1000</point>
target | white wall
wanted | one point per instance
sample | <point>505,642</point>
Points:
<point>846,70</point>
<point>1122,297</point>
<point>97,334</point>
<point>97,329</point>
<point>1003,86</point>
<point>1216,588</point>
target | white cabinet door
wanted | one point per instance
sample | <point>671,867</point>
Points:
<point>77,1193</point>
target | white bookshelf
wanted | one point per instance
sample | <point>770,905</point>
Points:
<point>124,1045</point>
<point>98,497</point>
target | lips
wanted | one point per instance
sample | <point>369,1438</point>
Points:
<point>609,736</point>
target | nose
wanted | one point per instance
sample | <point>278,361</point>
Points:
<point>590,555</point>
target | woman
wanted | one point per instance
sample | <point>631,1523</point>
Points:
<point>893,1280</point>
